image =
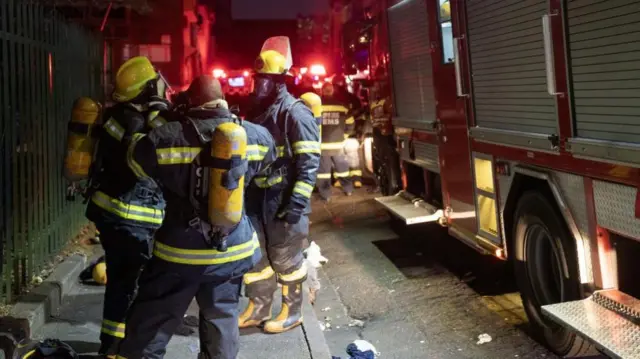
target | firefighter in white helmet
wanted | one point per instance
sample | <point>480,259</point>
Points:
<point>279,202</point>
<point>203,162</point>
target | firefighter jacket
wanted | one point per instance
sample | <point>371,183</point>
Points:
<point>118,198</point>
<point>337,125</point>
<point>293,176</point>
<point>171,156</point>
<point>381,116</point>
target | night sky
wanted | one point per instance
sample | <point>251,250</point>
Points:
<point>276,9</point>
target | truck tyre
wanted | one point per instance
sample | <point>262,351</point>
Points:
<point>546,270</point>
<point>389,173</point>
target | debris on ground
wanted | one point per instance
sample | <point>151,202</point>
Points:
<point>356,323</point>
<point>483,338</point>
<point>361,349</point>
<point>326,309</point>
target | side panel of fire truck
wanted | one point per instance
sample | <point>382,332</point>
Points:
<point>538,109</point>
<point>429,121</point>
<point>549,91</point>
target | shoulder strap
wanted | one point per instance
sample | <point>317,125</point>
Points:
<point>285,130</point>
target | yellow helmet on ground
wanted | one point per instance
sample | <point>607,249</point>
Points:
<point>132,78</point>
<point>100,273</point>
<point>275,56</point>
<point>313,102</point>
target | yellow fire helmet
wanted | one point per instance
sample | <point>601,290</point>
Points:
<point>313,102</point>
<point>132,77</point>
<point>275,56</point>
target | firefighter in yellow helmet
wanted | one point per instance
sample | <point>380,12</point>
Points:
<point>203,162</point>
<point>126,210</point>
<point>279,202</point>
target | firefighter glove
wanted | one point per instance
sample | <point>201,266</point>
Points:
<point>290,216</point>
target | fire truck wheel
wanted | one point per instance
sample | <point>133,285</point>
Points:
<point>546,270</point>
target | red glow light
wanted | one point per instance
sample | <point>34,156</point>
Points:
<point>217,73</point>
<point>318,70</point>
<point>245,74</point>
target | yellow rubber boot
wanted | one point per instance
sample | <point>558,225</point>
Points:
<point>291,313</point>
<point>258,311</point>
<point>357,184</point>
<point>337,184</point>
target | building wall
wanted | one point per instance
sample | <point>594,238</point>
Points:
<point>175,37</point>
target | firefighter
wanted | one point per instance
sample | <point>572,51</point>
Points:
<point>203,163</point>
<point>336,126</point>
<point>279,203</point>
<point>385,156</point>
<point>352,145</point>
<point>126,211</point>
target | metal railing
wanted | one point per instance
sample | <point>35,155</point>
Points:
<point>45,64</point>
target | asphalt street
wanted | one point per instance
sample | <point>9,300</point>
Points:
<point>418,294</point>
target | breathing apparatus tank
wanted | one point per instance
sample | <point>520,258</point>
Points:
<point>226,180</point>
<point>81,140</point>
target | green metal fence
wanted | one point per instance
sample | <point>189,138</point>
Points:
<point>45,64</point>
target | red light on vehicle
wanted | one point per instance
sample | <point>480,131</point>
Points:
<point>366,72</point>
<point>318,70</point>
<point>316,78</point>
<point>245,74</point>
<point>218,73</point>
<point>303,70</point>
<point>326,79</point>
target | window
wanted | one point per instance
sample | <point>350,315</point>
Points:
<point>446,31</point>
<point>155,53</point>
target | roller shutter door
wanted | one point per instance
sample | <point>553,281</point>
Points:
<point>412,71</point>
<point>604,48</point>
<point>506,46</point>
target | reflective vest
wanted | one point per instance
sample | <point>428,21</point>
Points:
<point>337,124</point>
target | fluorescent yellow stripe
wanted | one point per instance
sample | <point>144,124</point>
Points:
<point>206,256</point>
<point>177,155</point>
<point>113,329</point>
<point>334,108</point>
<point>256,152</point>
<point>341,174</point>
<point>324,175</point>
<point>114,129</point>
<point>303,188</point>
<point>124,210</point>
<point>280,150</point>
<point>264,182</point>
<point>297,275</point>
<point>350,121</point>
<point>301,147</point>
<point>256,277</point>
<point>356,172</point>
<point>332,146</point>
<point>131,162</point>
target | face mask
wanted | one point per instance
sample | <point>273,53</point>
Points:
<point>263,88</point>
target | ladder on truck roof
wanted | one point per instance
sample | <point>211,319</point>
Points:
<point>609,318</point>
<point>411,209</point>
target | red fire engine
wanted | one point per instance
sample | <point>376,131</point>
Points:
<point>518,127</point>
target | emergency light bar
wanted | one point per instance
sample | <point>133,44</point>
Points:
<point>218,73</point>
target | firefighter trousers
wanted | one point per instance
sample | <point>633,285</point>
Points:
<point>166,291</point>
<point>127,250</point>
<point>340,165</point>
<point>282,258</point>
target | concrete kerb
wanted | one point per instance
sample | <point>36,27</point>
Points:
<point>318,347</point>
<point>32,310</point>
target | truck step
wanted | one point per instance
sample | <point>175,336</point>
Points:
<point>609,318</point>
<point>411,209</point>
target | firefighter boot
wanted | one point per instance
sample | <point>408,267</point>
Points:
<point>258,311</point>
<point>291,313</point>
